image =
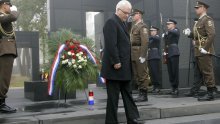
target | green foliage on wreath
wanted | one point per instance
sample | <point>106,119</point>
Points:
<point>68,77</point>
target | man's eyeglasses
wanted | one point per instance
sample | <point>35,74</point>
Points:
<point>8,3</point>
<point>126,13</point>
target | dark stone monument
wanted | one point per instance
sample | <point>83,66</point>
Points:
<point>36,89</point>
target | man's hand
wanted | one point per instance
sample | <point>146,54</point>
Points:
<point>13,8</point>
<point>117,66</point>
<point>203,51</point>
<point>187,31</point>
<point>142,60</point>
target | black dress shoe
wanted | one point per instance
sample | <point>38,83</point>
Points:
<point>134,121</point>
<point>174,92</point>
<point>191,94</point>
<point>209,96</point>
<point>155,90</point>
<point>142,96</point>
<point>6,109</point>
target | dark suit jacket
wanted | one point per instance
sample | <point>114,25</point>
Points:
<point>7,43</point>
<point>117,50</point>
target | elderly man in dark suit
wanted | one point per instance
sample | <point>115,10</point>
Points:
<point>7,50</point>
<point>116,65</point>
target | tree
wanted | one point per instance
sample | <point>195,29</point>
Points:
<point>33,17</point>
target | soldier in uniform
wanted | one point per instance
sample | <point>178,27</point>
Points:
<point>171,38</point>
<point>203,34</point>
<point>139,43</point>
<point>198,79</point>
<point>8,14</point>
<point>154,57</point>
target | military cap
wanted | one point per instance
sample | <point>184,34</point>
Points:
<point>169,21</point>
<point>153,28</point>
<point>200,4</point>
<point>2,1</point>
<point>6,1</point>
<point>137,11</point>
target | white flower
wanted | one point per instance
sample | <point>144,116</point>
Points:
<point>73,61</point>
<point>69,53</point>
<point>80,58</point>
<point>80,66</point>
<point>74,66</point>
<point>63,62</point>
<point>66,61</point>
<point>81,53</point>
<point>77,54</point>
<point>73,54</point>
<point>62,56</point>
<point>69,63</point>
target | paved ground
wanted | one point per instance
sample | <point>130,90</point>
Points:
<point>74,111</point>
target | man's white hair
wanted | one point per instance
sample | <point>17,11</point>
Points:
<point>123,3</point>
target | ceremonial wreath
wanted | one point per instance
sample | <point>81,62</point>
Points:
<point>72,65</point>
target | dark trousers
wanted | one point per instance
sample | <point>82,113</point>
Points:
<point>154,70</point>
<point>6,65</point>
<point>173,70</point>
<point>198,79</point>
<point>113,90</point>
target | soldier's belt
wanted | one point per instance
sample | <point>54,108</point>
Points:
<point>172,45</point>
<point>136,44</point>
<point>4,37</point>
<point>153,49</point>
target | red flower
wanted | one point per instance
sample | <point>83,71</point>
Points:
<point>74,57</point>
<point>66,48</point>
<point>72,47</point>
<point>72,51</point>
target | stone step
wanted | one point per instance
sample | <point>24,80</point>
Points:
<point>98,116</point>
<point>196,119</point>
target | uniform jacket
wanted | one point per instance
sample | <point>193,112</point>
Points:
<point>7,43</point>
<point>171,39</point>
<point>117,50</point>
<point>154,48</point>
<point>204,34</point>
<point>139,41</point>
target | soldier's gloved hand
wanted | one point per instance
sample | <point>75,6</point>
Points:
<point>203,51</point>
<point>13,8</point>
<point>164,53</point>
<point>164,34</point>
<point>186,31</point>
<point>142,60</point>
<point>194,42</point>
